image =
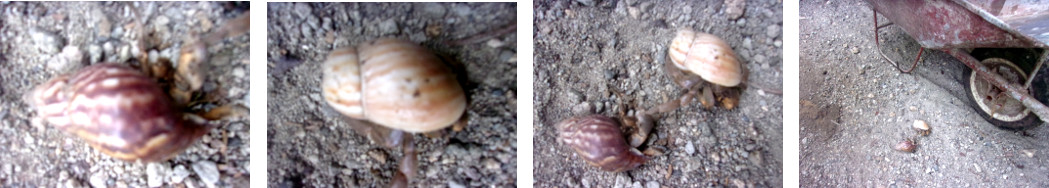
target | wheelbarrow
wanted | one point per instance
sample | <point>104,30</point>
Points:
<point>1004,42</point>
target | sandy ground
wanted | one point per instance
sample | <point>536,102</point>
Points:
<point>585,50</point>
<point>40,40</point>
<point>312,145</point>
<point>855,108</point>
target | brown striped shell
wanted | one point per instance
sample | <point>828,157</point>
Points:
<point>117,110</point>
<point>394,83</point>
<point>706,55</point>
<point>598,140</point>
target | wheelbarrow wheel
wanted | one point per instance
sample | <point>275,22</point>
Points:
<point>995,106</point>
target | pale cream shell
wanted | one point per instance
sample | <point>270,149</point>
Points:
<point>341,82</point>
<point>394,83</point>
<point>921,125</point>
<point>706,55</point>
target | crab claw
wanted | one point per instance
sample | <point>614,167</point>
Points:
<point>644,128</point>
<point>729,99</point>
<point>707,100</point>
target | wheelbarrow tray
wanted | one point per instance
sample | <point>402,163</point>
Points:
<point>944,24</point>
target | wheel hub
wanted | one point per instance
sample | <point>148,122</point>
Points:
<point>994,101</point>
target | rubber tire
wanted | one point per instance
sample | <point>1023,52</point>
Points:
<point>1028,122</point>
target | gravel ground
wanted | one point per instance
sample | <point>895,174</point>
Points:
<point>855,108</point>
<point>41,40</point>
<point>312,145</point>
<point>585,50</point>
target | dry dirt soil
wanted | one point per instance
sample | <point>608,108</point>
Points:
<point>586,51</point>
<point>312,145</point>
<point>39,41</point>
<point>855,108</point>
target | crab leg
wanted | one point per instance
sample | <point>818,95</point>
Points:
<point>410,161</point>
<point>406,169</point>
<point>645,122</point>
<point>225,111</point>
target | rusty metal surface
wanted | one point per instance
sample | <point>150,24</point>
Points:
<point>1024,18</point>
<point>1036,27</point>
<point>942,24</point>
<point>1010,9</point>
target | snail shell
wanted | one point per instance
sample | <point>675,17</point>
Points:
<point>706,55</point>
<point>922,127</point>
<point>597,140</point>
<point>906,146</point>
<point>394,83</point>
<point>118,111</point>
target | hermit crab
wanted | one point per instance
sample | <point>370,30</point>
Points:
<point>400,87</point>
<point>131,114</point>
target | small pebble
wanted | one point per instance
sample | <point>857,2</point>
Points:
<point>94,53</point>
<point>586,2</point>
<point>583,108</point>
<point>178,174</point>
<point>454,184</point>
<point>238,72</point>
<point>652,184</point>
<point>773,31</point>
<point>153,55</point>
<point>207,172</point>
<point>109,50</point>
<point>69,59</point>
<point>307,31</point>
<point>72,183</point>
<point>62,175</point>
<point>689,148</point>
<point>748,43</point>
<point>98,180</point>
<point>491,164</point>
<point>46,41</point>
<point>1028,153</point>
<point>622,180</point>
<point>155,174</point>
<point>739,183</point>
<point>508,56</point>
<point>433,10</point>
<point>734,8</point>
<point>9,169</point>
<point>388,27</point>
<point>123,53</point>
<point>461,10</point>
<point>634,12</point>
<point>378,156</point>
<point>495,43</point>
<point>29,140</point>
<point>760,59</point>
